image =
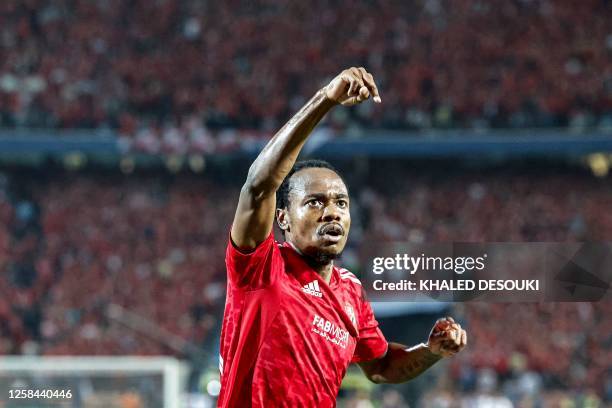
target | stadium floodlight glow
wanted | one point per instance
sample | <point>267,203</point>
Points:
<point>127,165</point>
<point>74,160</point>
<point>599,164</point>
<point>196,163</point>
<point>174,163</point>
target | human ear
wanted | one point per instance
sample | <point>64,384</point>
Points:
<point>282,219</point>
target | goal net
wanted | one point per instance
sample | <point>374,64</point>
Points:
<point>92,382</point>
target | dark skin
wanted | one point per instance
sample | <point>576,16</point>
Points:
<point>318,200</point>
<point>317,219</point>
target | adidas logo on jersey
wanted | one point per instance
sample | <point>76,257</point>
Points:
<point>313,289</point>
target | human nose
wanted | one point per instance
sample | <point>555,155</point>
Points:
<point>331,213</point>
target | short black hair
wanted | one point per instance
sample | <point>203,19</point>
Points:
<point>282,194</point>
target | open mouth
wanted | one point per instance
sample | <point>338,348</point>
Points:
<point>332,231</point>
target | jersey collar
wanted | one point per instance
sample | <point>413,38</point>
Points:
<point>335,274</point>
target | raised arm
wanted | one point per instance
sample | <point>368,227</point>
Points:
<point>255,212</point>
<point>402,364</point>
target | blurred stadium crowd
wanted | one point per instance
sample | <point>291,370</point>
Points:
<point>72,245</point>
<point>114,264</point>
<point>189,67</point>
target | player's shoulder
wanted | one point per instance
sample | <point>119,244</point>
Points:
<point>352,285</point>
<point>349,277</point>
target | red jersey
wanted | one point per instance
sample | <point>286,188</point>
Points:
<point>287,336</point>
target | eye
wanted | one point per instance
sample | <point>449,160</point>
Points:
<point>314,202</point>
<point>342,203</point>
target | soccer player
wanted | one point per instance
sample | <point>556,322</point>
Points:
<point>294,321</point>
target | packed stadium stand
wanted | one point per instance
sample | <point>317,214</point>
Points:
<point>134,65</point>
<point>73,244</point>
<point>97,261</point>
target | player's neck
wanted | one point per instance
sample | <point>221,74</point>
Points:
<point>324,270</point>
<point>323,266</point>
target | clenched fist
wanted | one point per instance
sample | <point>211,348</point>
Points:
<point>446,338</point>
<point>352,86</point>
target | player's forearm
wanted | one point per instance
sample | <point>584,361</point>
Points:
<point>278,157</point>
<point>402,364</point>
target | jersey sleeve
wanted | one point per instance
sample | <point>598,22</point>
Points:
<point>255,269</point>
<point>372,343</point>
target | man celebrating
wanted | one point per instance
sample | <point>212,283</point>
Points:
<point>293,321</point>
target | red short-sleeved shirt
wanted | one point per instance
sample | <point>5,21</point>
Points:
<point>287,336</point>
